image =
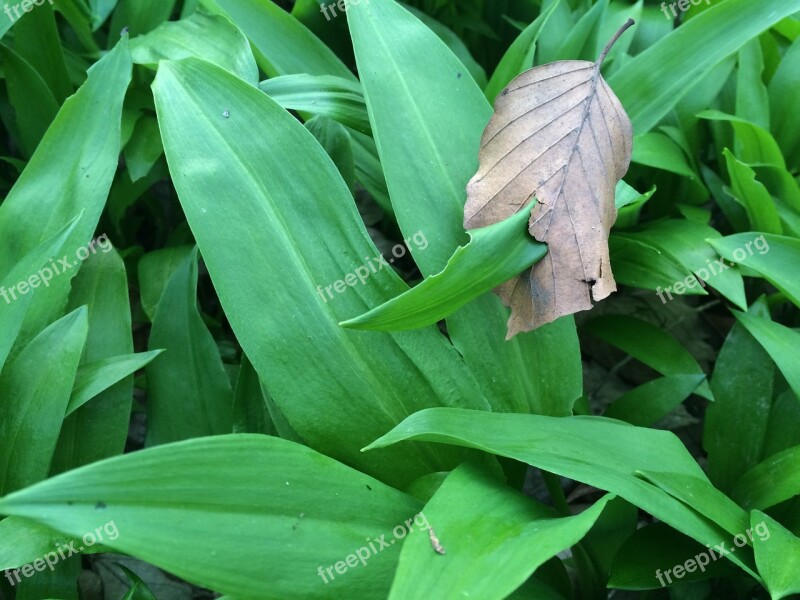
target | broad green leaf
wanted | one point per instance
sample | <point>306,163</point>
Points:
<point>737,422</point>
<point>648,344</point>
<point>71,171</point>
<point>753,195</point>
<point>143,149</point>
<point>752,99</point>
<point>637,263</point>
<point>781,344</point>
<point>684,241</point>
<point>99,428</point>
<point>774,257</point>
<point>335,139</point>
<point>472,271</point>
<point>30,269</point>
<point>652,83</point>
<point>101,9</point>
<point>188,393</point>
<point>33,102</point>
<point>335,97</point>
<point>753,144</point>
<point>433,119</point>
<point>600,452</point>
<point>646,556</point>
<point>580,42</point>
<point>650,402</point>
<point>519,56</point>
<point>777,556</point>
<point>369,171</point>
<point>36,39</point>
<point>282,44</point>
<point>785,122</point>
<point>252,516</point>
<point>35,387</point>
<point>140,16</point>
<point>24,541</point>
<point>458,47</point>
<point>96,377</point>
<point>660,152</point>
<point>250,413</point>
<point>771,482</point>
<point>209,37</point>
<point>155,271</point>
<point>285,297</point>
<point>492,536</point>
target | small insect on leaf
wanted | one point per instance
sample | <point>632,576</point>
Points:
<point>437,546</point>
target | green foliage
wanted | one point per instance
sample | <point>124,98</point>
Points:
<point>246,340</point>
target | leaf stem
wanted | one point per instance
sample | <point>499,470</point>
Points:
<point>629,23</point>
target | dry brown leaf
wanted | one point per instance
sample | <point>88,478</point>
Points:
<point>560,134</point>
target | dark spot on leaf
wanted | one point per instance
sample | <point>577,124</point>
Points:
<point>100,505</point>
<point>369,488</point>
<point>459,76</point>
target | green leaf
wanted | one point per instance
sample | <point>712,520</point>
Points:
<point>140,16</point>
<point>36,386</point>
<point>36,39</point>
<point>250,413</point>
<point>752,99</point>
<point>231,512</point>
<point>334,97</point>
<point>777,556</point>
<point>335,139</point>
<point>189,393</point>
<point>473,270</point>
<point>279,296</point>
<point>637,263</point>
<point>282,44</point>
<point>652,82</point>
<point>771,482</point>
<point>209,37</point>
<point>775,257</point>
<point>12,313</point>
<point>433,119</point>
<point>648,344</point>
<point>143,149</point>
<point>600,452</point>
<point>32,101</point>
<point>646,555</point>
<point>650,402</point>
<point>660,152</point>
<point>493,538</point>
<point>519,56</point>
<point>155,271</point>
<point>99,428</point>
<point>96,377</point>
<point>785,83</point>
<point>736,424</point>
<point>453,42</point>
<point>71,171</point>
<point>684,242</point>
<point>753,195</point>
<point>25,541</point>
<point>780,342</point>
